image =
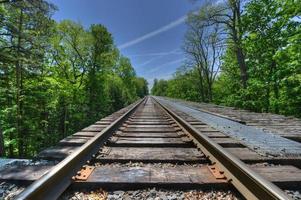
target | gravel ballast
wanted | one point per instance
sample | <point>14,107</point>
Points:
<point>151,194</point>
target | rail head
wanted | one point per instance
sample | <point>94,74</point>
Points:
<point>246,181</point>
<point>52,184</point>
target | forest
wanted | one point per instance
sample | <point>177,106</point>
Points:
<point>56,77</point>
<point>245,54</point>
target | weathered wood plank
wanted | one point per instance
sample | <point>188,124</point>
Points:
<point>149,123</point>
<point>94,128</point>
<point>131,140</point>
<point>284,176</point>
<point>149,142</point>
<point>152,175</point>
<point>148,126</point>
<point>148,134</point>
<point>24,173</point>
<point>156,154</point>
<point>153,129</point>
<point>102,123</point>
<point>57,152</point>
<point>227,142</point>
<point>245,154</point>
<point>74,141</point>
<point>85,134</point>
<point>215,134</point>
<point>155,120</point>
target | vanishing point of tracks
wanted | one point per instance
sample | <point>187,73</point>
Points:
<point>148,132</point>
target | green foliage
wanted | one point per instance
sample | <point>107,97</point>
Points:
<point>182,85</point>
<point>56,78</point>
<point>270,39</point>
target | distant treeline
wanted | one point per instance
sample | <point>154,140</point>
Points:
<point>56,78</point>
<point>245,54</point>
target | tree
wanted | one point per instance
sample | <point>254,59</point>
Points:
<point>228,16</point>
<point>101,49</point>
<point>202,46</point>
<point>160,87</point>
<point>141,86</point>
<point>24,30</point>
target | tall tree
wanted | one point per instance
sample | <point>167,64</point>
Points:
<point>101,49</point>
<point>25,25</point>
<point>228,15</point>
<point>203,46</point>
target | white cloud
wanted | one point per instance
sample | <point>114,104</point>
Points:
<point>151,34</point>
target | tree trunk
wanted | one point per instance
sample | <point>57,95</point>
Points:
<point>237,34</point>
<point>276,92</point>
<point>9,105</point>
<point>275,87</point>
<point>242,66</point>
<point>210,92</point>
<point>201,85</point>
<point>19,90</point>
<point>65,120</point>
<point>2,153</point>
<point>267,104</point>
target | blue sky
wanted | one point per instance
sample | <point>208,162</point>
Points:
<point>149,32</point>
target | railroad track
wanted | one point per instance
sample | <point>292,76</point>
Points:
<point>149,132</point>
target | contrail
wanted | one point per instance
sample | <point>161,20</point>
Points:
<point>168,63</point>
<point>171,25</point>
<point>165,53</point>
<point>158,56</point>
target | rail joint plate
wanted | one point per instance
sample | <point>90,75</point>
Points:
<point>216,172</point>
<point>84,173</point>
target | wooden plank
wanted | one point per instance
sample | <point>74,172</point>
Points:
<point>129,140</point>
<point>207,129</point>
<point>57,152</point>
<point>155,154</point>
<point>215,134</point>
<point>85,134</point>
<point>156,120</point>
<point>245,154</point>
<point>148,134</point>
<point>227,142</point>
<point>284,176</point>
<point>156,126</point>
<point>153,129</point>
<point>149,142</point>
<point>23,173</point>
<point>94,128</point>
<point>149,123</point>
<point>201,126</point>
<point>74,141</point>
<point>197,123</point>
<point>102,123</point>
<point>148,118</point>
<point>151,175</point>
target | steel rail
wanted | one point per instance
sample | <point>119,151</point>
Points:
<point>54,183</point>
<point>249,183</point>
